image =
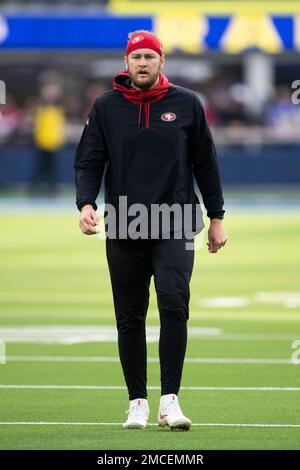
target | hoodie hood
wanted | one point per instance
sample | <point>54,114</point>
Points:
<point>143,98</point>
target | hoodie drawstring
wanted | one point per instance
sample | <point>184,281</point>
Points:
<point>147,113</point>
<point>140,114</point>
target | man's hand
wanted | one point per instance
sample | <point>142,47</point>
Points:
<point>216,235</point>
<point>88,220</point>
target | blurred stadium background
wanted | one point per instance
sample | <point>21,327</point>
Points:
<point>56,310</point>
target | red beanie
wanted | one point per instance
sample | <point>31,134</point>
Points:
<point>144,40</point>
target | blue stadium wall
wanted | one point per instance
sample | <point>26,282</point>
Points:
<point>266,164</point>
<point>206,32</point>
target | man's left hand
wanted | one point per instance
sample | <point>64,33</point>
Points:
<point>216,235</point>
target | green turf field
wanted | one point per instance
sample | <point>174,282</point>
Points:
<point>240,386</point>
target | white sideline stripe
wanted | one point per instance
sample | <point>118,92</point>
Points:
<point>107,359</point>
<point>45,423</point>
<point>153,387</point>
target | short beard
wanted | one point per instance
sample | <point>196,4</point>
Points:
<point>145,86</point>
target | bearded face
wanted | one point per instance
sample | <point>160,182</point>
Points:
<point>144,66</point>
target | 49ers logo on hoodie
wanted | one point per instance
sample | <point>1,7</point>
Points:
<point>168,117</point>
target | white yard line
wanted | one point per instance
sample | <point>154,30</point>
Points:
<point>224,302</point>
<point>287,300</point>
<point>253,337</point>
<point>70,334</point>
<point>189,360</point>
<point>153,387</point>
<point>246,315</point>
<point>54,423</point>
<point>274,316</point>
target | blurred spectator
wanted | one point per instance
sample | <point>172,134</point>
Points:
<point>48,137</point>
<point>94,90</point>
<point>11,118</point>
<point>230,108</point>
<point>210,113</point>
<point>282,116</point>
<point>223,101</point>
<point>73,109</point>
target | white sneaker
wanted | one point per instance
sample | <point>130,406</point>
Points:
<point>138,414</point>
<point>170,414</point>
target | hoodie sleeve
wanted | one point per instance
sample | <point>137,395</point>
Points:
<point>205,165</point>
<point>90,159</point>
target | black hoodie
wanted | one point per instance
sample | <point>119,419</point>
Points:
<point>153,164</point>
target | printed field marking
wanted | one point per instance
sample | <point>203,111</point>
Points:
<point>286,299</point>
<point>224,302</point>
<point>45,423</point>
<point>246,315</point>
<point>2,352</point>
<point>202,314</point>
<point>153,387</point>
<point>68,334</point>
<point>65,334</point>
<point>189,360</point>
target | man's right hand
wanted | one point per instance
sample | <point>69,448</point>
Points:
<point>88,220</point>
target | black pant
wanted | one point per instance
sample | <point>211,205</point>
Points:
<point>131,265</point>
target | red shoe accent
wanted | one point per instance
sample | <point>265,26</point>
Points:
<point>162,416</point>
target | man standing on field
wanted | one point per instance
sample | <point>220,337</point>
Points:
<point>152,138</point>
